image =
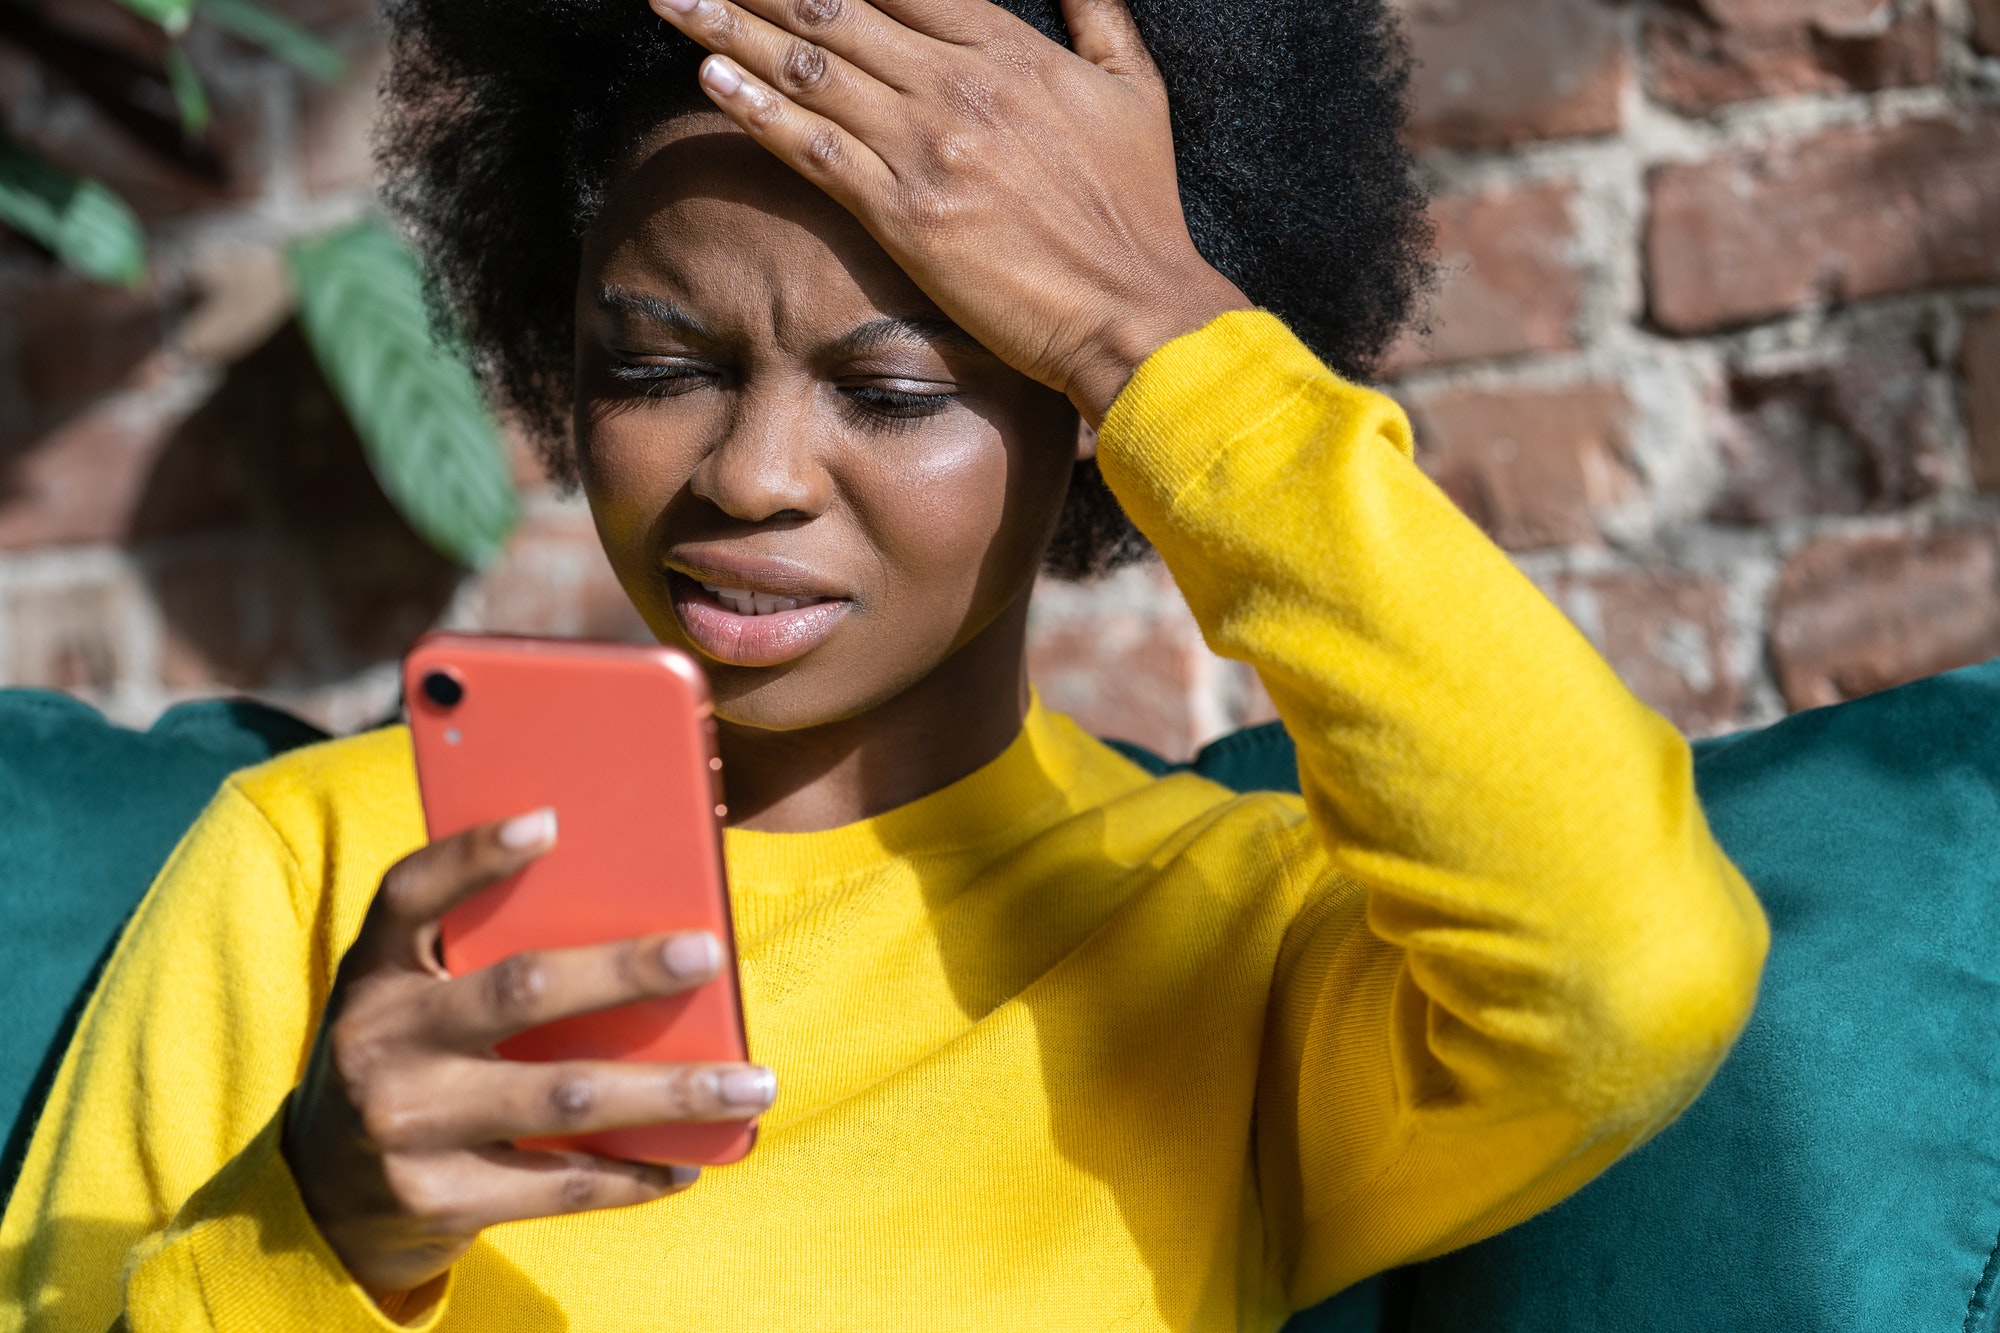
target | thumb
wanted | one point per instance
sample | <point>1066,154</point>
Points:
<point>1103,32</point>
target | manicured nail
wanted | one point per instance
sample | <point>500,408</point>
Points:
<point>678,6</point>
<point>683,1176</point>
<point>695,954</point>
<point>721,75</point>
<point>751,1089</point>
<point>524,833</point>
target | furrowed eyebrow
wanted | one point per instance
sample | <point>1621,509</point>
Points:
<point>905,329</point>
<point>651,309</point>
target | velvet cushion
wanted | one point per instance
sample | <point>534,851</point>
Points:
<point>1842,1172</point>
<point>88,813</point>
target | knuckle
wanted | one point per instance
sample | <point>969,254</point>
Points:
<point>572,1099</point>
<point>804,68</point>
<point>580,1189</point>
<point>516,985</point>
<point>722,23</point>
<point>764,111</point>
<point>357,1054</point>
<point>391,1123</point>
<point>816,13</point>
<point>822,150</point>
<point>419,1191</point>
<point>691,1091</point>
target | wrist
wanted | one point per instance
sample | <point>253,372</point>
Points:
<point>1178,304</point>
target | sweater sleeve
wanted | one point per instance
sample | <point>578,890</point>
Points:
<point>153,1189</point>
<point>1520,950</point>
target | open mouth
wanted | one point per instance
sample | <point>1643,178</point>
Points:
<point>744,602</point>
<point>749,627</point>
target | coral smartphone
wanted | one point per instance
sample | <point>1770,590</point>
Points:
<point>620,741</point>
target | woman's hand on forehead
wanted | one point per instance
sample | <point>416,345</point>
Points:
<point>1028,189</point>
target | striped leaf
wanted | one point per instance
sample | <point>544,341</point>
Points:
<point>278,35</point>
<point>429,438</point>
<point>88,227</point>
<point>169,14</point>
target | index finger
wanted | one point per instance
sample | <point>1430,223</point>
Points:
<point>423,886</point>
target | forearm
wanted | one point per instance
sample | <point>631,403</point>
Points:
<point>1548,933</point>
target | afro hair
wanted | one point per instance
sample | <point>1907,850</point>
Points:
<point>504,123</point>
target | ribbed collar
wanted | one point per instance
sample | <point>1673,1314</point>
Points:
<point>1019,793</point>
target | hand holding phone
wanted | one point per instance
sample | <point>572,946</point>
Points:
<point>620,742</point>
<point>511,1036</point>
<point>401,1134</point>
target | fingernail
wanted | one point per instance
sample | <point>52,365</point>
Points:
<point>695,954</point>
<point>721,75</point>
<point>683,1176</point>
<point>752,1089</point>
<point>678,6</point>
<point>526,832</point>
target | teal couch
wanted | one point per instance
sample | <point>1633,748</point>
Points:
<point>1841,1173</point>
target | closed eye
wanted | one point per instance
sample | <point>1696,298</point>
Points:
<point>661,379</point>
<point>896,405</point>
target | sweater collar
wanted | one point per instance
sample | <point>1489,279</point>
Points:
<point>1017,794</point>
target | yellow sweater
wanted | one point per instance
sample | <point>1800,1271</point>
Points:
<point>1060,1046</point>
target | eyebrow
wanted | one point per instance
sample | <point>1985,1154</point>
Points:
<point>905,329</point>
<point>866,337</point>
<point>642,305</point>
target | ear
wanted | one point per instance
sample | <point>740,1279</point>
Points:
<point>1086,440</point>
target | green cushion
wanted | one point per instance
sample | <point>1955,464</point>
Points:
<point>88,813</point>
<point>1842,1172</point>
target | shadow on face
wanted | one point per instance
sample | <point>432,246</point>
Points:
<point>802,472</point>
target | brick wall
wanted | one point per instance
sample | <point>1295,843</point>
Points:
<point>1716,354</point>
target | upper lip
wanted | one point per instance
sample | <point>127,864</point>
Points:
<point>774,578</point>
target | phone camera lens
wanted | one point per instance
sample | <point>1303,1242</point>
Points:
<point>442,690</point>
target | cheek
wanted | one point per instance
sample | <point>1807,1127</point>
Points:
<point>632,463</point>
<point>959,520</point>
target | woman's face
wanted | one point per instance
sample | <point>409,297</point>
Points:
<point>803,474</point>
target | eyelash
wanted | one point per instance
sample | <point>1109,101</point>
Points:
<point>887,407</point>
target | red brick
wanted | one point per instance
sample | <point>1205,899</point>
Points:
<point>158,182</point>
<point>1668,636</point>
<point>1533,468</point>
<point>69,637</point>
<point>81,340</point>
<point>1979,361</point>
<point>1853,437</point>
<point>1511,280</point>
<point>81,482</point>
<point>1986,26</point>
<point>1122,657</point>
<point>240,297</point>
<point>1494,73</point>
<point>553,579</point>
<point>1698,64</point>
<point>334,149</point>
<point>1850,214</point>
<point>287,565</point>
<point>1858,614</point>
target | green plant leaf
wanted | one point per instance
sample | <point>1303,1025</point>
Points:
<point>169,14</point>
<point>429,438</point>
<point>190,98</point>
<point>278,35</point>
<point>86,225</point>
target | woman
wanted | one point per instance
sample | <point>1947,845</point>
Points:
<point>1046,1042</point>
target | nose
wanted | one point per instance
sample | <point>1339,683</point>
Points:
<point>764,464</point>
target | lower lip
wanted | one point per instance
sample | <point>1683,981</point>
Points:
<point>752,641</point>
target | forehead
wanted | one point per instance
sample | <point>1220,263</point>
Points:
<point>706,214</point>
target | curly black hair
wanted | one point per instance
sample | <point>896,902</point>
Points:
<point>504,122</point>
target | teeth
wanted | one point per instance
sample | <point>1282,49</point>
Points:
<point>747,603</point>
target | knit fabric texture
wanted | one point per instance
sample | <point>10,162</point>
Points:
<point>1063,1044</point>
